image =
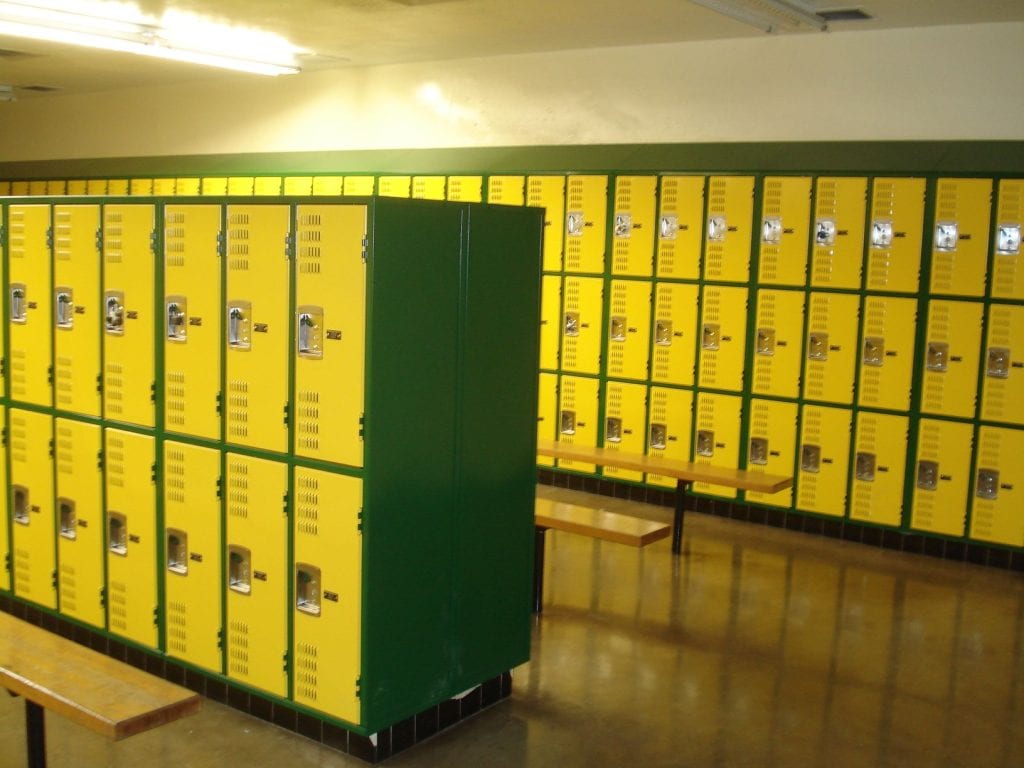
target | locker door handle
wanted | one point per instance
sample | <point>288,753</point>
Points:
<point>239,324</point>
<point>22,507</point>
<point>946,236</point>
<point>177,318</point>
<point>874,350</point>
<point>65,308</point>
<point>663,333</point>
<point>177,551</point>
<point>117,533</point>
<point>659,435</point>
<point>705,442</point>
<point>309,332</point>
<point>771,230</point>
<point>307,588</point>
<point>68,518</point>
<point>864,467</point>
<point>239,569</point>
<point>998,363</point>
<point>758,451</point>
<point>825,232</point>
<point>988,483</point>
<point>1008,239</point>
<point>613,430</point>
<point>19,303</point>
<point>115,312</point>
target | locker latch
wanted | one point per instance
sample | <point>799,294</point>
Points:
<point>758,450</point>
<point>817,346</point>
<point>874,350</point>
<point>307,588</point>
<point>669,227</point>
<point>881,233</point>
<point>825,232</point>
<point>810,458</point>
<point>309,332</point>
<point>572,323</point>
<point>177,551</point>
<point>177,318</point>
<point>68,518</point>
<point>946,236</point>
<point>937,358</point>
<point>998,363</point>
<point>574,223</point>
<point>623,225</point>
<point>659,436</point>
<point>927,475</point>
<point>663,333</point>
<point>771,230</point>
<point>613,430</point>
<point>705,442</point>
<point>239,569</point>
<point>1008,239</point>
<point>19,303</point>
<point>567,423</point>
<point>65,308</point>
<point>717,228</point>
<point>765,344</point>
<point>117,533</point>
<point>239,324</point>
<point>710,336</point>
<point>20,500</point>
<point>617,328</point>
<point>987,486</point>
<point>864,467</point>
<point>114,317</point>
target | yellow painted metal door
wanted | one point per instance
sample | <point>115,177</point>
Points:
<point>547,192</point>
<point>823,461</point>
<point>777,343</point>
<point>80,580</point>
<point>330,332</point>
<point>1007,269</point>
<point>878,468</point>
<point>5,501</point>
<point>550,320</point>
<point>674,346</point>
<point>511,190</point>
<point>428,187</point>
<point>941,476</point>
<point>466,189</point>
<point>29,303</point>
<point>625,407</point>
<point>831,347</point>
<point>963,209</point>
<point>586,201</point>
<point>716,439</point>
<point>577,417</point>
<point>1002,394</point>
<point>582,301</point>
<point>192,319</point>
<point>192,554</point>
<point>547,413</point>
<point>633,226</point>
<point>129,369</point>
<point>353,185</point>
<point>327,588</point>
<point>894,235</point>
<point>723,334</point>
<point>952,352</point>
<point>131,534</point>
<point>33,524</point>
<point>728,232</point>
<point>997,510</point>
<point>629,323</point>
<point>887,352</point>
<point>394,186</point>
<point>680,227</point>
<point>256,326</point>
<point>256,560</point>
<point>670,425</point>
<point>771,447</point>
<point>837,253</point>
<point>785,230</point>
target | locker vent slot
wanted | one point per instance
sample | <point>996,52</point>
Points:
<point>307,588</point>
<point>309,332</point>
<point>177,318</point>
<point>998,366</point>
<point>659,436</point>
<point>68,518</point>
<point>663,333</point>
<point>705,442</point>
<point>759,450</point>
<point>572,323</point>
<point>117,533</point>
<point>669,227</point>
<point>19,303</point>
<point>118,605</point>
<point>927,475</point>
<point>617,329</point>
<point>865,467</point>
<point>765,341</point>
<point>306,667</point>
<point>874,350</point>
<point>238,648</point>
<point>613,430</point>
<point>568,423</point>
<point>817,346</point>
<point>22,508</point>
<point>64,308</point>
<point>1008,239</point>
<point>937,356</point>
<point>711,336</point>
<point>114,315</point>
<point>946,236</point>
<point>825,232</point>
<point>771,230</point>
<point>239,569</point>
<point>177,627</point>
<point>810,458</point>
<point>177,551</point>
<point>881,233</point>
<point>987,484</point>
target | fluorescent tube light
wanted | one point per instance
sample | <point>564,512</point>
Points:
<point>767,15</point>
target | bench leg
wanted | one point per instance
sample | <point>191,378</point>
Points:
<point>682,486</point>
<point>538,569</point>
<point>35,732</point>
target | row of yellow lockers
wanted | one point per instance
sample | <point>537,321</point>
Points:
<point>85,540</point>
<point>866,481</point>
<point>695,226</point>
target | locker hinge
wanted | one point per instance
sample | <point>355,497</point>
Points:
<point>152,392</point>
<point>287,414</point>
<point>220,403</point>
<point>289,245</point>
<point>152,473</point>
<point>3,236</point>
<point>286,662</point>
<point>49,238</point>
<point>7,561</point>
<point>103,596</point>
<point>222,244</point>
<point>156,616</point>
<point>49,374</point>
<point>359,687</point>
<point>53,578</point>
<point>99,383</point>
<point>3,367</point>
<point>220,487</point>
<point>99,239</point>
<point>152,242</point>
<point>285,502</point>
<point>359,520</point>
<point>362,426</point>
<point>220,638</point>
<point>99,460</point>
<point>366,249</point>
<point>53,448</point>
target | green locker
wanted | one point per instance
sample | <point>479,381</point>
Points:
<point>837,255</point>
<point>625,407</point>
<point>192,319</point>
<point>723,334</point>
<point>728,233</point>
<point>670,425</point>
<point>777,343</point>
<point>577,417</point>
<point>680,227</point>
<point>30,325</point>
<point>5,542</point>
<point>823,460</point>
<point>887,352</point>
<point>33,525</point>
<point>80,579</point>
<point>633,226</point>
<point>1007,271</point>
<point>547,413</point>
<point>132,596</point>
<point>586,202</point>
<point>192,597</point>
<point>831,351</point>
<point>895,234</point>
<point>771,447</point>
<point>1002,394</point>
<point>963,209</point>
<point>785,230</point>
<point>511,190</point>
<point>582,299</point>
<point>878,468</point>
<point>550,326</point>
<point>941,476</point>
<point>716,440</point>
<point>547,192</point>
<point>327,591</point>
<point>997,514</point>
<point>629,324</point>
<point>674,346</point>
<point>951,358</point>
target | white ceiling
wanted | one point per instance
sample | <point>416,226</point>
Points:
<point>346,33</point>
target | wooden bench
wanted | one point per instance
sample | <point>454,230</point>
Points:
<point>88,688</point>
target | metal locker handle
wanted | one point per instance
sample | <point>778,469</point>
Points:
<point>239,569</point>
<point>20,499</point>
<point>567,424</point>
<point>309,332</point>
<point>68,518</point>
<point>927,475</point>
<point>1008,239</point>
<point>998,363</point>
<point>663,333</point>
<point>114,317</point>
<point>617,331</point>
<point>937,356</point>
<point>987,486</point>
<point>874,350</point>
<point>177,551</point>
<point>771,230</point>
<point>881,233</point>
<point>817,346</point>
<point>759,450</point>
<point>810,458</point>
<point>117,533</point>
<point>659,436</point>
<point>307,588</point>
<point>64,308</point>
<point>572,323</point>
<point>865,467</point>
<point>177,318</point>
<point>946,236</point>
<point>239,324</point>
<point>765,341</point>
<point>705,442</point>
<point>825,232</point>
<point>19,304</point>
<point>613,430</point>
<point>711,335</point>
<point>669,227</point>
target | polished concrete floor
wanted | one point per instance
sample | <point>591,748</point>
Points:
<point>758,647</point>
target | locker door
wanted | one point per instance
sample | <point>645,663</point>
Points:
<point>547,413</point>
<point>394,186</point>
<point>141,187</point>
<point>80,581</point>
<point>997,511</point>
<point>214,186</point>
<point>192,554</point>
<point>823,460</point>
<point>633,227</point>
<point>951,358</point>
<point>550,323</point>
<point>129,371</point>
<point>19,188</point>
<point>76,302</point>
<point>328,592</point>
<point>132,597</point>
<point>577,417</point>
<point>629,324</point>
<point>77,187</point>
<point>37,187</point>
<point>267,186</point>
<point>256,326</point>
<point>894,235</point>
<point>257,577</point>
<point>428,187</point>
<point>547,192</point>
<point>5,542</point>
<point>670,424</point>
<point>723,335</point>
<point>625,406</point>
<point>353,185</point>
<point>771,447</point>
<point>466,189</point>
<point>941,476</point>
<point>831,347</point>
<point>963,209</point>
<point>674,346</point>
<point>511,190</point>
<point>164,187</point>
<point>333,186</point>
<point>716,439</point>
<point>298,185</point>
<point>185,186</point>
<point>56,187</point>
<point>586,201</point>
<point>729,220</point>
<point>680,227</point>
<point>878,469</point>
<point>192,319</point>
<point>33,529</point>
<point>582,299</point>
<point>1002,394</point>
<point>29,300</point>
<point>785,229</point>
<point>887,352</point>
<point>777,341</point>
<point>1007,270</point>
<point>330,332</point>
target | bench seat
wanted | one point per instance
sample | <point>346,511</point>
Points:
<point>599,523</point>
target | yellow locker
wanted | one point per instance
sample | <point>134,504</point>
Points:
<point>117,187</point>
<point>333,186</point>
<point>19,188</point>
<point>586,201</point>
<point>140,187</point>
<point>785,230</point>
<point>680,227</point>
<point>633,227</point>
<point>625,407</point>
<point>243,186</point>
<point>670,425</point>
<point>77,339</point>
<point>951,356</point>
<point>33,526</point>
<point>327,589</point>
<point>466,189</point>
<point>547,413</point>
<point>164,187</point>
<point>80,580</point>
<point>894,235</point>
<point>191,319</point>
<point>629,323</point>
<point>831,350</point>
<point>963,208</point>
<point>727,237</point>
<point>129,372</point>
<point>256,562</point>
<point>723,336</point>
<point>132,597</point>
<point>77,187</point>
<point>674,346</point>
<point>777,340</point>
<point>30,297</point>
<point>510,190</point>
<point>268,186</point>
<point>941,476</point>
<point>394,186</point>
<point>5,188</point>
<point>187,186</point>
<point>582,299</point>
<point>771,447</point>
<point>716,437</point>
<point>5,499</point>
<point>577,417</point>
<point>362,186</point>
<point>887,352</point>
<point>330,332</point>
<point>878,468</point>
<point>214,185</point>
<point>823,460</point>
<point>37,187</point>
<point>428,187</point>
<point>256,326</point>
<point>1007,271</point>
<point>56,188</point>
<point>298,185</point>
<point>1002,394</point>
<point>997,510</point>
<point>96,187</point>
<point>550,325</point>
<point>547,192</point>
<point>192,554</point>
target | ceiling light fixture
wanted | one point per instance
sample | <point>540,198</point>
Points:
<point>768,15</point>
